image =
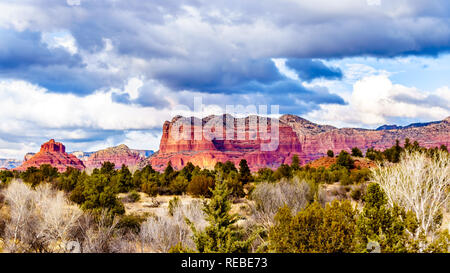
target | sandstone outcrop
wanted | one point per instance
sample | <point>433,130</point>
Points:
<point>299,136</point>
<point>53,153</point>
<point>118,155</point>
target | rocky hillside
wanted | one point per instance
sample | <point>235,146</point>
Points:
<point>213,146</point>
<point>53,153</point>
<point>296,136</point>
<point>118,155</point>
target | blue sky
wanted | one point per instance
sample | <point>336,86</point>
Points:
<point>93,74</point>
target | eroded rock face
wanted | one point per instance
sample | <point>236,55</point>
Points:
<point>214,144</point>
<point>53,153</point>
<point>308,140</point>
<point>118,155</point>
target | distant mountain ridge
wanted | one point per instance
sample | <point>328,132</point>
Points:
<point>412,125</point>
<point>6,163</point>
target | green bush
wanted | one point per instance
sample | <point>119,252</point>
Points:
<point>345,160</point>
<point>201,185</point>
<point>99,194</point>
<point>133,197</point>
<point>130,223</point>
<point>173,203</point>
<point>330,153</point>
<point>356,194</point>
<point>124,179</point>
<point>179,185</point>
<point>245,175</point>
<point>314,229</point>
<point>356,152</point>
<point>150,188</point>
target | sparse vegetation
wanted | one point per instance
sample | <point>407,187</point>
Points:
<point>399,204</point>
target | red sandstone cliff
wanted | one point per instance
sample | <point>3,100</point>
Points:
<point>296,136</point>
<point>53,153</point>
<point>118,155</point>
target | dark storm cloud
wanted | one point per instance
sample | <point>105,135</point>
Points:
<point>219,77</point>
<point>212,47</point>
<point>23,55</point>
<point>19,50</point>
<point>308,69</point>
<point>220,46</point>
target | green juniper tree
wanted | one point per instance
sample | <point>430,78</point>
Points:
<point>295,164</point>
<point>244,172</point>
<point>330,153</point>
<point>381,224</point>
<point>221,235</point>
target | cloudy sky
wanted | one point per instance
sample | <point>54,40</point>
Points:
<point>97,73</point>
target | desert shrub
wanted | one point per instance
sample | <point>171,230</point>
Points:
<point>356,152</point>
<point>295,164</point>
<point>150,188</point>
<point>235,185</point>
<point>100,233</point>
<point>380,223</point>
<point>145,175</point>
<point>284,171</point>
<point>356,194</point>
<point>99,194</point>
<point>314,229</point>
<point>374,155</point>
<point>225,168</point>
<point>201,185</point>
<point>179,185</point>
<point>245,176</point>
<point>420,184</point>
<point>345,160</point>
<point>108,169</point>
<point>173,204</point>
<point>68,180</point>
<point>130,223</point>
<point>124,180</point>
<point>133,197</point>
<point>360,176</point>
<point>5,177</point>
<point>269,197</point>
<point>393,154</point>
<point>40,220</point>
<point>265,175</point>
<point>160,234</point>
<point>330,153</point>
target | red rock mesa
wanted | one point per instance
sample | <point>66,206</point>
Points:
<point>53,153</point>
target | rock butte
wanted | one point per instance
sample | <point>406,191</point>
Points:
<point>299,136</point>
<point>118,155</point>
<point>53,153</point>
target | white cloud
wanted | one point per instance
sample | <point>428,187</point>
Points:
<point>375,100</point>
<point>26,102</point>
<point>281,66</point>
<point>73,2</point>
<point>142,140</point>
<point>60,39</point>
<point>28,111</point>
